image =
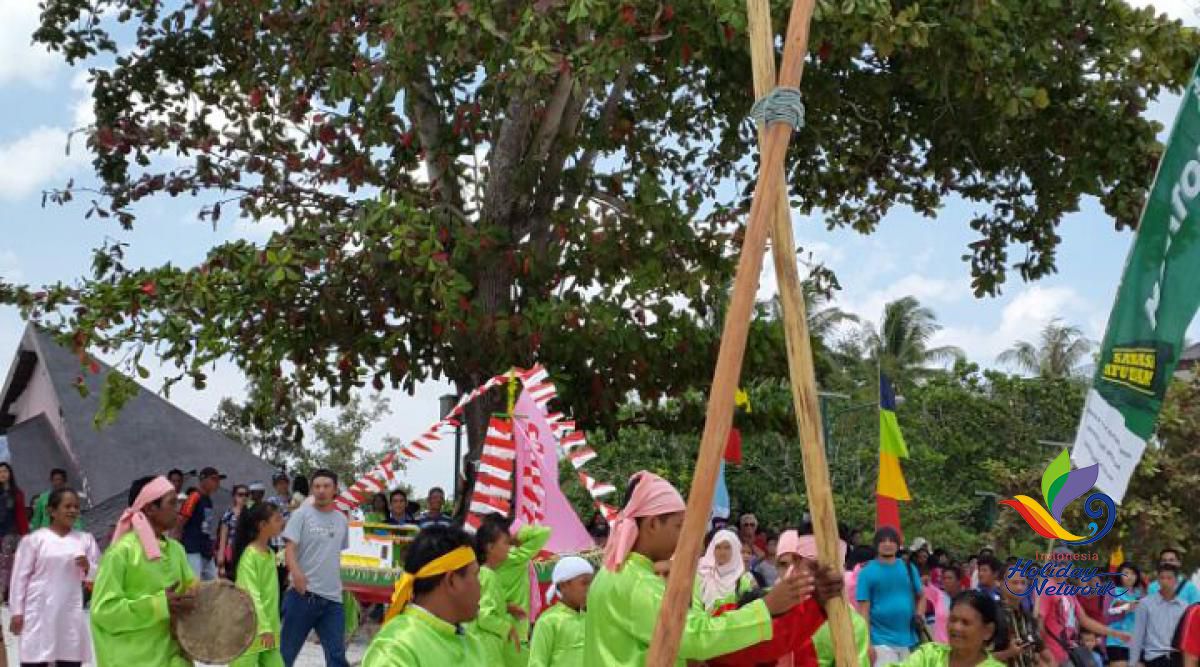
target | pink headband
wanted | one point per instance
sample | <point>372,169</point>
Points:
<point>133,518</point>
<point>790,542</point>
<point>653,496</point>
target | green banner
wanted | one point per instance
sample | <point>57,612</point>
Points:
<point>1156,300</point>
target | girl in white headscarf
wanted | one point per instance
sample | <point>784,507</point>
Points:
<point>722,576</point>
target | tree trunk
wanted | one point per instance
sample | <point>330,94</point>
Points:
<point>475,423</point>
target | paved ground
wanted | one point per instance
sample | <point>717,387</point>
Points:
<point>311,656</point>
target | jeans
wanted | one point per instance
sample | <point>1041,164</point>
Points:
<point>303,613</point>
<point>205,568</point>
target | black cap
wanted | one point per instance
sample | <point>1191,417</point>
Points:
<point>210,472</point>
<point>281,475</point>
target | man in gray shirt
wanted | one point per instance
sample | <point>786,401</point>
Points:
<point>1157,617</point>
<point>315,535</point>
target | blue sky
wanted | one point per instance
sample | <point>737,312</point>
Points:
<point>42,100</point>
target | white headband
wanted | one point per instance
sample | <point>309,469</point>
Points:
<point>567,569</point>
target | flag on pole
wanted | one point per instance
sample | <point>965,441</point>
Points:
<point>891,487</point>
<point>1155,304</point>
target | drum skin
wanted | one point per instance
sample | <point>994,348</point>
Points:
<point>220,627</point>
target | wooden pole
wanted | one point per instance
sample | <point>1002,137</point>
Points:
<point>664,646</point>
<point>805,399</point>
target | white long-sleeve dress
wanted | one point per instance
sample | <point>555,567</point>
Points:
<point>47,590</point>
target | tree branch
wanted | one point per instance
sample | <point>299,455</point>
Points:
<point>504,163</point>
<point>553,117</point>
<point>608,115</point>
<point>422,106</point>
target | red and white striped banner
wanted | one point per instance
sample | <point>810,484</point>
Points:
<point>581,456</point>
<point>595,487</point>
<point>495,471</point>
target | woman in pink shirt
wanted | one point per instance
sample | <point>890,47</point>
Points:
<point>1062,617</point>
<point>46,596</point>
<point>937,606</point>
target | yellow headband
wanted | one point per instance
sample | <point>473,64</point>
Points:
<point>449,562</point>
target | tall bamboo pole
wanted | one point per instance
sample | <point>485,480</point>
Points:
<point>799,354</point>
<point>664,647</point>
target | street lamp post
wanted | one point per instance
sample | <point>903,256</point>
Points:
<point>447,403</point>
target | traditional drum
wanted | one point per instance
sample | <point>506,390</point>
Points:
<point>220,627</point>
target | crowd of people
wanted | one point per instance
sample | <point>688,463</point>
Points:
<point>464,599</point>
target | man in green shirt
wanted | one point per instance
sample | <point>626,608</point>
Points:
<point>142,583</point>
<point>41,517</point>
<point>436,596</point>
<point>625,598</point>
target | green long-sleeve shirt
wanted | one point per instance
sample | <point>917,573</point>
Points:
<point>417,638</point>
<point>513,573</point>
<point>558,638</point>
<point>256,574</point>
<point>131,623</point>
<point>623,608</point>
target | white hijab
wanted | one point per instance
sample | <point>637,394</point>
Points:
<point>720,581</point>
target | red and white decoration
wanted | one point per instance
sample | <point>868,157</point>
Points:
<point>498,464</point>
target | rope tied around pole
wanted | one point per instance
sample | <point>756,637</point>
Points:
<point>783,104</point>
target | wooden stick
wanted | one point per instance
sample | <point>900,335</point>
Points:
<point>799,354</point>
<point>664,647</point>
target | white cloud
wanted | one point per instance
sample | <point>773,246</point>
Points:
<point>20,59</point>
<point>257,231</point>
<point>84,112</point>
<point>30,161</point>
<point>930,291</point>
<point>1021,319</point>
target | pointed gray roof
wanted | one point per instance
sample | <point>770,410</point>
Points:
<point>150,435</point>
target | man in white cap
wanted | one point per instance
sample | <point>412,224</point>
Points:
<point>558,635</point>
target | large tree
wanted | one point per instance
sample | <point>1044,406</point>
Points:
<point>469,185</point>
<point>901,345</point>
<point>1060,352</point>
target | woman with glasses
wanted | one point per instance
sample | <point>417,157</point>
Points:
<point>227,530</point>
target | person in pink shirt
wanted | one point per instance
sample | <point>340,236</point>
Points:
<point>46,595</point>
<point>937,606</point>
<point>1062,619</point>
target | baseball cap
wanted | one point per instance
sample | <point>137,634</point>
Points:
<point>257,486</point>
<point>210,472</point>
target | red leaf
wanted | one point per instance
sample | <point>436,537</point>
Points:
<point>149,288</point>
<point>94,367</point>
<point>686,54</point>
<point>256,98</point>
<point>437,330</point>
<point>729,33</point>
<point>824,51</point>
<point>462,8</point>
<point>628,15</point>
<point>441,257</point>
<point>327,134</point>
<point>464,304</point>
<point>668,12</point>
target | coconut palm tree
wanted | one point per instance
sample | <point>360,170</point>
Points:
<point>1060,353</point>
<point>901,344</point>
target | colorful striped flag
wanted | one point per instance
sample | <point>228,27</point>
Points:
<point>891,487</point>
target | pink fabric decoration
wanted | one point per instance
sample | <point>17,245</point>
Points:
<point>653,496</point>
<point>133,518</point>
<point>569,535</point>
<point>804,546</point>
